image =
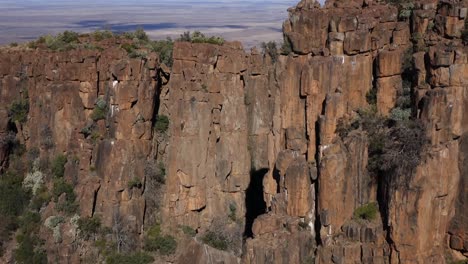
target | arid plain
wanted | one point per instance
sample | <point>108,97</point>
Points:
<point>251,22</point>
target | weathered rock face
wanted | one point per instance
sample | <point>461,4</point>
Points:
<point>253,149</point>
<point>63,88</point>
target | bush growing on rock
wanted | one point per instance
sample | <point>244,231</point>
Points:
<point>188,231</point>
<point>162,123</point>
<point>89,226</point>
<point>164,49</point>
<point>67,205</point>
<point>367,212</point>
<point>13,197</point>
<point>29,248</point>
<point>271,49</point>
<point>135,183</point>
<point>216,240</point>
<point>156,241</point>
<point>396,143</point>
<point>134,258</point>
<point>19,110</point>
<point>99,35</point>
<point>58,165</point>
<point>198,37</point>
<point>224,235</point>
<point>62,42</point>
<point>100,110</point>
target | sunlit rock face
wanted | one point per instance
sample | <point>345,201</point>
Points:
<point>259,148</point>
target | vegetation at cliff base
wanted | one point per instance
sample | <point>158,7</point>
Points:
<point>156,241</point>
<point>189,231</point>
<point>133,258</point>
<point>216,240</point>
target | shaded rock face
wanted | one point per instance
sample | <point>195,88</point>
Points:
<point>254,143</point>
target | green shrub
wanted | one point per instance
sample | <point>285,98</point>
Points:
<point>90,46</point>
<point>29,250</point>
<point>162,123</point>
<point>89,226</point>
<point>137,54</point>
<point>19,110</point>
<point>68,205</point>
<point>141,34</point>
<point>58,166</point>
<point>198,37</point>
<point>62,42</point>
<point>232,212</point>
<point>100,110</point>
<point>14,44</point>
<point>60,187</point>
<point>40,199</point>
<point>188,231</point>
<point>164,49</point>
<point>270,49</point>
<point>13,197</point>
<point>134,258</point>
<point>165,245</point>
<point>399,114</point>
<point>68,36</point>
<point>371,96</point>
<point>405,10</point>
<point>135,183</point>
<point>99,35</point>
<point>29,222</point>
<point>396,143</point>
<point>215,240</point>
<point>367,212</point>
<point>155,241</point>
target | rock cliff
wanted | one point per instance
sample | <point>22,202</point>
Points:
<point>263,158</point>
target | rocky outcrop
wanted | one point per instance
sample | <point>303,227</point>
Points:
<point>254,149</point>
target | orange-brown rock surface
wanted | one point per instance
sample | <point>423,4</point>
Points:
<point>254,149</point>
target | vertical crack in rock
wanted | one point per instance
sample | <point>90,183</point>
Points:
<point>254,203</point>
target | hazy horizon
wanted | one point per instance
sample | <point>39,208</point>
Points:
<point>248,21</point>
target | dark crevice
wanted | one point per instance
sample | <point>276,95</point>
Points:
<point>317,224</point>
<point>254,203</point>
<point>157,99</point>
<point>95,201</point>
<point>277,177</point>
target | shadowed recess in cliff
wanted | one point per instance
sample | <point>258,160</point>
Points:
<point>254,203</point>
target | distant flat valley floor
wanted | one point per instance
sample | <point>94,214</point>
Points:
<point>250,22</point>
